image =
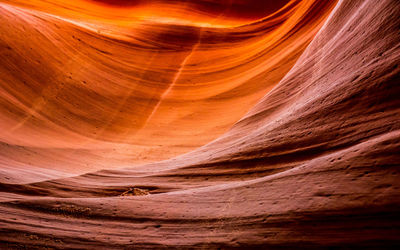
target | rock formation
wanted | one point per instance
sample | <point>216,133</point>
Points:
<point>208,124</point>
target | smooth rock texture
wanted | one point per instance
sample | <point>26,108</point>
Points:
<point>87,87</point>
<point>277,126</point>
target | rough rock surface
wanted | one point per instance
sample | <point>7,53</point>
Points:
<point>304,102</point>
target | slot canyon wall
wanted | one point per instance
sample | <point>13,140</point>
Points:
<point>199,124</point>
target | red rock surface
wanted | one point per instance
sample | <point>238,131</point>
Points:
<point>100,88</point>
<point>293,135</point>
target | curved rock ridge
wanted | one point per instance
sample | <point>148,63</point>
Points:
<point>217,12</point>
<point>77,98</point>
<point>309,157</point>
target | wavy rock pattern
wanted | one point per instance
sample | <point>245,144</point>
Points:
<point>290,112</point>
<point>83,98</point>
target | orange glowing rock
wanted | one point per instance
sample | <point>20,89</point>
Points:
<point>113,86</point>
<point>199,124</point>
